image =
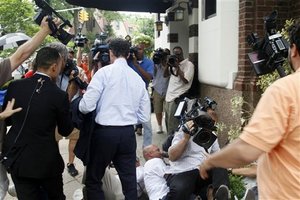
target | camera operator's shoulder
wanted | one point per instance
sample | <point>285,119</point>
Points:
<point>288,80</point>
<point>286,86</point>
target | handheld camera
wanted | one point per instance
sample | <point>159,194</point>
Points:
<point>58,32</point>
<point>270,52</point>
<point>204,125</point>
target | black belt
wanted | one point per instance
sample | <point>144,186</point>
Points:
<point>111,126</point>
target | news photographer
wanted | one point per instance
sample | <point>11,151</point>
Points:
<point>144,67</point>
<point>190,146</point>
<point>100,53</point>
<point>160,84</point>
<point>271,136</point>
<point>69,80</point>
<point>181,73</point>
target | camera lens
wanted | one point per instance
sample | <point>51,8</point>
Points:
<point>202,137</point>
<point>172,59</point>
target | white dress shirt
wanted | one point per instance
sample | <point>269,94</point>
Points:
<point>118,94</point>
<point>155,183</point>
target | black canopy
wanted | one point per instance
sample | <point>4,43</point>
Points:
<point>154,6</point>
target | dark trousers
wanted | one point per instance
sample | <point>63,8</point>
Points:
<point>139,126</point>
<point>117,144</point>
<point>39,189</point>
<point>184,184</point>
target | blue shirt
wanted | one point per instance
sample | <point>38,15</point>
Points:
<point>159,82</point>
<point>147,65</point>
<point>118,94</point>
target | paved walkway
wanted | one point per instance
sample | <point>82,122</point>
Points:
<point>71,184</point>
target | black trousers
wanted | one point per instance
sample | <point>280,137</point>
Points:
<point>184,185</point>
<point>117,144</point>
<point>39,189</point>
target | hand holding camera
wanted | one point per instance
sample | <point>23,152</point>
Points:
<point>57,30</point>
<point>132,54</point>
<point>173,64</point>
<point>44,24</point>
<point>189,129</point>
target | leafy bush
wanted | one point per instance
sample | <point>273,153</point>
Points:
<point>147,41</point>
<point>237,186</point>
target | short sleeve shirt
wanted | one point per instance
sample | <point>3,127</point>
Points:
<point>176,86</point>
<point>275,129</point>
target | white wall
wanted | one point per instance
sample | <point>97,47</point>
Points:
<point>179,27</point>
<point>218,45</point>
<point>162,40</point>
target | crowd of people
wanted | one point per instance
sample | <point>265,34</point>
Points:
<point>115,106</point>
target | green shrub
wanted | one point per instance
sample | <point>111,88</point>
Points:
<point>237,186</point>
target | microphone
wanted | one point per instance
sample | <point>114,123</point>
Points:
<point>40,81</point>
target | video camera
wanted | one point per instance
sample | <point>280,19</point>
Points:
<point>270,52</point>
<point>133,50</point>
<point>159,55</point>
<point>57,32</point>
<point>80,40</point>
<point>204,125</point>
<point>102,48</point>
<point>172,64</point>
<point>71,66</point>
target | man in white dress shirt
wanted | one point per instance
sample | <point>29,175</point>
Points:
<point>154,171</point>
<point>119,96</point>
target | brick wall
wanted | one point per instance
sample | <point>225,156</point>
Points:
<point>251,20</point>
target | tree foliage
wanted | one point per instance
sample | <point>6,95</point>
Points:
<point>144,25</point>
<point>110,16</point>
<point>17,16</point>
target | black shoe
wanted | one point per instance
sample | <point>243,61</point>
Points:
<point>222,193</point>
<point>139,131</point>
<point>72,170</point>
<point>249,195</point>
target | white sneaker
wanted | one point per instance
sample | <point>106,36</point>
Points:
<point>159,130</point>
<point>78,195</point>
<point>12,190</point>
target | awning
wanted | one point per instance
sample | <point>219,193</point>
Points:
<point>153,6</point>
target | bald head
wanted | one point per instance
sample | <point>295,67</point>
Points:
<point>151,151</point>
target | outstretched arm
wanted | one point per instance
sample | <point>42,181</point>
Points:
<point>232,156</point>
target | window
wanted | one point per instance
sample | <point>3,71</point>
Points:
<point>209,9</point>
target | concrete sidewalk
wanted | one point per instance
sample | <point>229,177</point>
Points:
<point>73,183</point>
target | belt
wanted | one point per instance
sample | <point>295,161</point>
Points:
<point>111,126</point>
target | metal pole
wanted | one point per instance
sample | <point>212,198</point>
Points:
<point>77,8</point>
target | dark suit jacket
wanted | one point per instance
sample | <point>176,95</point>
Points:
<point>48,108</point>
<point>86,124</point>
